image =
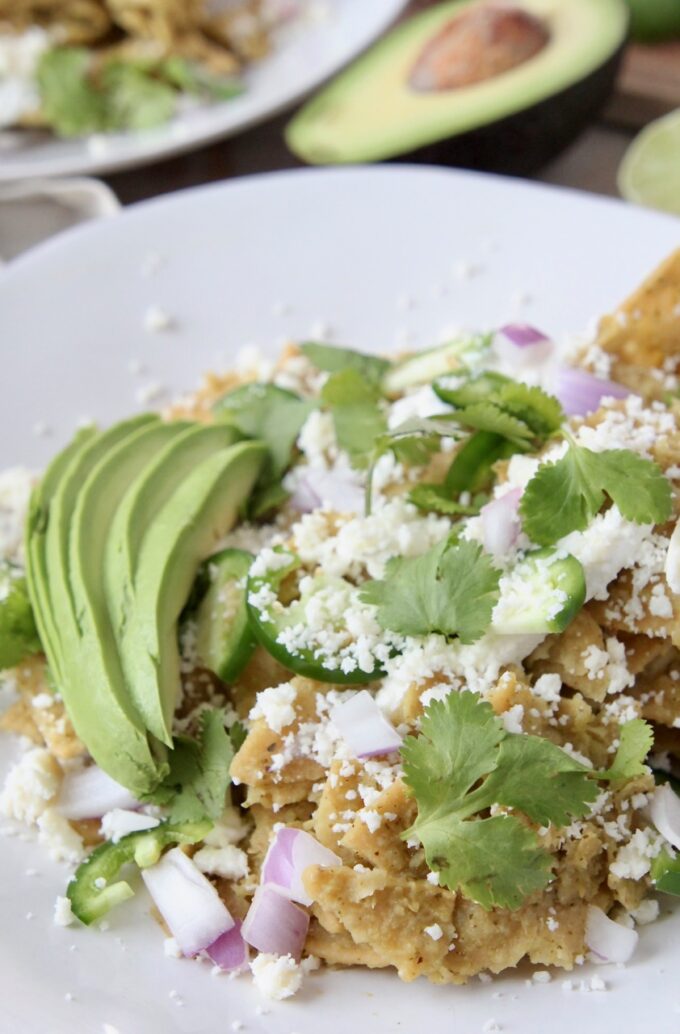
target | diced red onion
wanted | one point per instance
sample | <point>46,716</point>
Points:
<point>188,902</point>
<point>610,941</point>
<point>363,726</point>
<point>290,853</point>
<point>581,392</point>
<point>522,334</point>
<point>664,809</point>
<point>229,951</point>
<point>88,793</point>
<point>274,924</point>
<point>500,522</point>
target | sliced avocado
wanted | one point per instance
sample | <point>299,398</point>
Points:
<point>88,670</point>
<point>38,515</point>
<point>543,593</point>
<point>183,531</point>
<point>224,640</point>
<point>92,515</point>
<point>506,85</point>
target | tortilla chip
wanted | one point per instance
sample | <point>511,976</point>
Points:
<point>645,329</point>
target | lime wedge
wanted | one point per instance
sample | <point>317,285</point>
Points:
<point>650,171</point>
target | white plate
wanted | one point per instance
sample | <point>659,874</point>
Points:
<point>305,54</point>
<point>376,253</point>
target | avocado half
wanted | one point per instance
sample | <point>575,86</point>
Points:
<point>513,120</point>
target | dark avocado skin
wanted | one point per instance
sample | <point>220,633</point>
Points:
<point>522,143</point>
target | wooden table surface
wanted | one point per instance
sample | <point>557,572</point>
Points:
<point>590,163</point>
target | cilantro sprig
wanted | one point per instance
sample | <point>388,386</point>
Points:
<point>565,496</point>
<point>463,763</point>
<point>197,783</point>
<point>451,590</point>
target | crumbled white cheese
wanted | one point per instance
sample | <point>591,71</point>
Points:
<point>434,931</point>
<point>634,859</point>
<point>228,829</point>
<point>317,440</point>
<point>119,822</point>
<point>63,913</point>
<point>276,976</point>
<point>646,912</point>
<point>30,786</point>
<point>672,565</point>
<point>276,706</point>
<point>512,718</point>
<point>231,863</point>
<point>156,320</point>
<point>16,485</point>
<point>59,837</point>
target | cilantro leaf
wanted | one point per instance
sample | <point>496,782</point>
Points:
<point>69,102</point>
<point>540,779</point>
<point>194,78</point>
<point>636,739</point>
<point>486,416</point>
<point>357,415</point>
<point>332,359</point>
<point>436,499</point>
<point>463,762</point>
<point>451,589</point>
<point>237,735</point>
<point>269,413</point>
<point>136,99</point>
<point>496,861</point>
<point>542,412</point>
<point>665,873</point>
<point>564,496</point>
<point>18,633</point>
<point>197,783</point>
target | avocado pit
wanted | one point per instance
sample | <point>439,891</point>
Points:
<point>477,45</point>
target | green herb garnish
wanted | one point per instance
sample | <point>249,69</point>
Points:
<point>565,496</point>
<point>463,763</point>
<point>451,590</point>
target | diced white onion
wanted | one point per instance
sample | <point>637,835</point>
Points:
<point>188,902</point>
<point>274,924</point>
<point>363,726</point>
<point>290,853</point>
<point>610,941</point>
<point>664,809</point>
<point>88,793</point>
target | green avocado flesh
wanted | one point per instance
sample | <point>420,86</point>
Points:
<point>74,515</point>
<point>182,533</point>
<point>371,112</point>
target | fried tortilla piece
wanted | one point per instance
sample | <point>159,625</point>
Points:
<point>645,329</point>
<point>337,806</point>
<point>40,714</point>
<point>270,766</point>
<point>338,949</point>
<point>499,939</point>
<point>391,915</point>
<point>660,698</point>
<point>570,654</point>
<point>383,847</point>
